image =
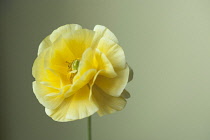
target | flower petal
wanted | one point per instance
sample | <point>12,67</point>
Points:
<point>87,70</point>
<point>44,73</point>
<point>125,94</point>
<point>38,66</point>
<point>59,114</point>
<point>47,42</point>
<point>82,81</point>
<point>78,106</point>
<point>44,44</point>
<point>81,106</point>
<point>130,74</point>
<point>79,41</point>
<point>113,52</point>
<point>92,60</point>
<point>113,86</point>
<point>47,96</point>
<point>107,104</point>
<point>58,56</point>
<point>69,28</point>
<point>104,65</point>
<point>87,62</point>
<point>102,31</point>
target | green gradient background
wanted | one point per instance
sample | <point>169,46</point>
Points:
<point>167,43</point>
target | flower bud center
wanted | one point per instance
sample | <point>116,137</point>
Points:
<point>75,65</point>
<point>72,69</point>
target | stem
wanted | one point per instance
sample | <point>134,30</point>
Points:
<point>89,128</point>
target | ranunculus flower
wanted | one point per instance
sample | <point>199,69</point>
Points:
<point>79,72</point>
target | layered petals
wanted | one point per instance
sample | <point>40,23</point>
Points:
<point>102,31</point>
<point>48,96</point>
<point>113,52</point>
<point>107,104</point>
<point>47,42</point>
<point>69,28</point>
<point>78,106</point>
<point>79,41</point>
<point>92,62</point>
<point>79,72</point>
<point>44,44</point>
<point>113,86</point>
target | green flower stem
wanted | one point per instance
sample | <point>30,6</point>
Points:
<point>89,128</point>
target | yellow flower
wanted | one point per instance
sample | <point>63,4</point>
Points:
<point>79,72</point>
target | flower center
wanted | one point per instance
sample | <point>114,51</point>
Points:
<point>72,69</point>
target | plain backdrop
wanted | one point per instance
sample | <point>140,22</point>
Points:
<point>166,42</point>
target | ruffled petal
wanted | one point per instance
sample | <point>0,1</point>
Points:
<point>94,59</point>
<point>44,44</point>
<point>47,42</point>
<point>82,81</point>
<point>38,69</point>
<point>113,52</point>
<point>87,70</point>
<point>130,74</point>
<point>107,104</point>
<point>78,106</point>
<point>102,31</point>
<point>113,86</point>
<point>79,41</point>
<point>59,114</point>
<point>87,62</point>
<point>125,94</point>
<point>91,62</point>
<point>69,28</point>
<point>59,56</point>
<point>104,64</point>
<point>49,97</point>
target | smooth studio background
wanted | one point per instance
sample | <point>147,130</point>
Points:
<point>167,43</point>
